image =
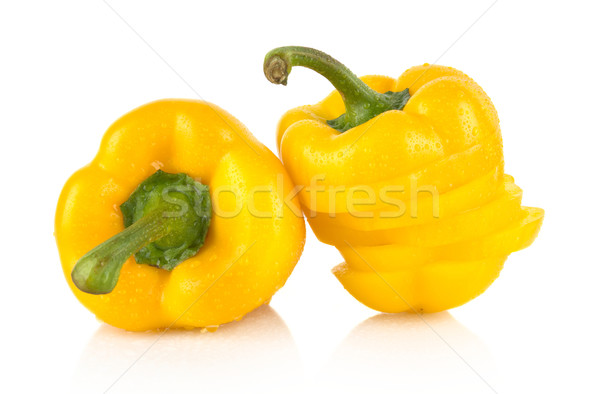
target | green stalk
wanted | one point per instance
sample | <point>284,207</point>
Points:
<point>166,219</point>
<point>362,103</point>
<point>97,272</point>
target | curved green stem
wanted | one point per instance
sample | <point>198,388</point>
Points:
<point>362,103</point>
<point>97,272</point>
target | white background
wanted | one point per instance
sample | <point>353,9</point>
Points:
<point>68,69</point>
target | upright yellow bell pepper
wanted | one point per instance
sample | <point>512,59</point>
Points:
<point>201,203</point>
<point>406,178</point>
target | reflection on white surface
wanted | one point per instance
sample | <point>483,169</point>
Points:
<point>401,352</point>
<point>257,352</point>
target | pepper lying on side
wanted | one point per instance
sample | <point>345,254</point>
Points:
<point>406,178</point>
<point>185,187</point>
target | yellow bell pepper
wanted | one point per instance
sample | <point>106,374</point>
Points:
<point>406,178</point>
<point>203,205</point>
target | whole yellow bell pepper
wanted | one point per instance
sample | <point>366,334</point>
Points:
<point>406,178</point>
<point>206,209</point>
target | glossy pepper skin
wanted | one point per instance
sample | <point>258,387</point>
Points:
<point>414,196</point>
<point>245,258</point>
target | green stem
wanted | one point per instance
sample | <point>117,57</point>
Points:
<point>166,219</point>
<point>362,103</point>
<point>97,272</point>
